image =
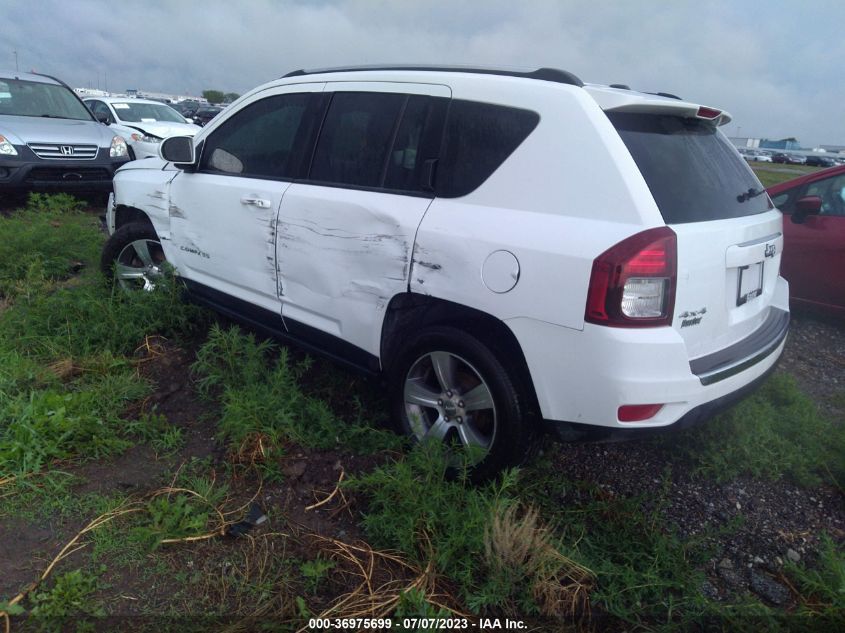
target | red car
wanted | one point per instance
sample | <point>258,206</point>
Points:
<point>814,238</point>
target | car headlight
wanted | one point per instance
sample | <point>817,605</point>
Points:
<point>118,148</point>
<point>144,138</point>
<point>6,148</point>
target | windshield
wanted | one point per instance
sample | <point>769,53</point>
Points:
<point>36,99</point>
<point>146,112</point>
<point>691,168</point>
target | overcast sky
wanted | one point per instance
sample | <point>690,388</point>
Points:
<point>776,65</point>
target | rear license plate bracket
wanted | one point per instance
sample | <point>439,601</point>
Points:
<point>749,283</point>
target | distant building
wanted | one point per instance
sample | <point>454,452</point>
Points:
<point>745,142</point>
<point>838,149</point>
<point>784,143</point>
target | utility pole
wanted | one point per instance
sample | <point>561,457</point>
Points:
<point>16,61</point>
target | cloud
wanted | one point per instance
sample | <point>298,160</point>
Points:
<point>774,64</point>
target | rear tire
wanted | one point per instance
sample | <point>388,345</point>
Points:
<point>446,384</point>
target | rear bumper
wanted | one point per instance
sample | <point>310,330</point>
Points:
<point>27,172</point>
<point>582,377</point>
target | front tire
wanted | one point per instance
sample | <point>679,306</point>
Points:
<point>447,385</point>
<point>133,257</point>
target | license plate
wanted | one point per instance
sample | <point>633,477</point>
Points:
<point>750,285</point>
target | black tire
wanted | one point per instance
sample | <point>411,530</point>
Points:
<point>512,438</point>
<point>117,247</point>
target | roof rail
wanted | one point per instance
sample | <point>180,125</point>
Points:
<point>543,74</point>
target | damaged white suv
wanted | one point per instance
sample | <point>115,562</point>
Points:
<point>513,251</point>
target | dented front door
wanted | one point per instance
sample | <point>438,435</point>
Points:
<point>344,248</point>
<point>223,216</point>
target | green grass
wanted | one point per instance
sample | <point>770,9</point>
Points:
<point>51,234</point>
<point>777,432</point>
<point>258,388</point>
<point>66,372</point>
<point>774,173</point>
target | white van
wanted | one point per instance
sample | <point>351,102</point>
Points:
<point>512,251</point>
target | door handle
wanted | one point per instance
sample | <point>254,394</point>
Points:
<point>255,201</point>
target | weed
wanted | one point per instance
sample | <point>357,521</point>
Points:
<point>314,572</point>
<point>49,235</point>
<point>230,359</point>
<point>37,427</point>
<point>263,405</point>
<point>643,571</point>
<point>153,428</point>
<point>776,432</point>
<point>521,551</point>
<point>414,508</point>
<point>70,595</point>
<point>413,604</point>
<point>822,587</point>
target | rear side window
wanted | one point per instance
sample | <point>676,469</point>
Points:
<point>356,138</point>
<point>690,167</point>
<point>479,138</point>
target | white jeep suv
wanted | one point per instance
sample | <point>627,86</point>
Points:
<point>512,251</point>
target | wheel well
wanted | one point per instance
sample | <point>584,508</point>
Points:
<point>410,312</point>
<point>124,215</point>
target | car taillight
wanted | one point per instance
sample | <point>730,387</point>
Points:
<point>633,283</point>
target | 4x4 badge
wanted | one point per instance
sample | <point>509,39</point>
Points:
<point>692,317</point>
<point>770,250</point>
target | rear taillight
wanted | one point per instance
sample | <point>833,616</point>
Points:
<point>633,283</point>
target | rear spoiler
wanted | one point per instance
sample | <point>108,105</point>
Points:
<point>622,100</point>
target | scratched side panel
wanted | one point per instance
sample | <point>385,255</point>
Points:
<point>342,255</point>
<point>147,190</point>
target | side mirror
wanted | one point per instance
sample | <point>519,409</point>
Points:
<point>808,205</point>
<point>178,150</point>
<point>102,117</point>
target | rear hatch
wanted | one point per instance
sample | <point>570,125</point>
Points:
<point>729,235</point>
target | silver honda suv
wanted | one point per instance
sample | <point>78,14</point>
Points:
<point>50,140</point>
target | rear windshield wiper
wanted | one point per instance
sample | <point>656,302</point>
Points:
<point>751,193</point>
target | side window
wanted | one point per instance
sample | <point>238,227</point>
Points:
<point>832,193</point>
<point>263,140</point>
<point>99,106</point>
<point>417,145</point>
<point>479,138</point>
<point>356,138</point>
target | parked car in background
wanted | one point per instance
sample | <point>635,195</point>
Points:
<point>814,238</point>
<point>50,140</point>
<point>820,161</point>
<point>788,159</point>
<point>144,123</point>
<point>413,222</point>
<point>204,114</point>
<point>187,108</point>
<point>754,155</point>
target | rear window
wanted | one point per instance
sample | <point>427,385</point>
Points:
<point>693,171</point>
